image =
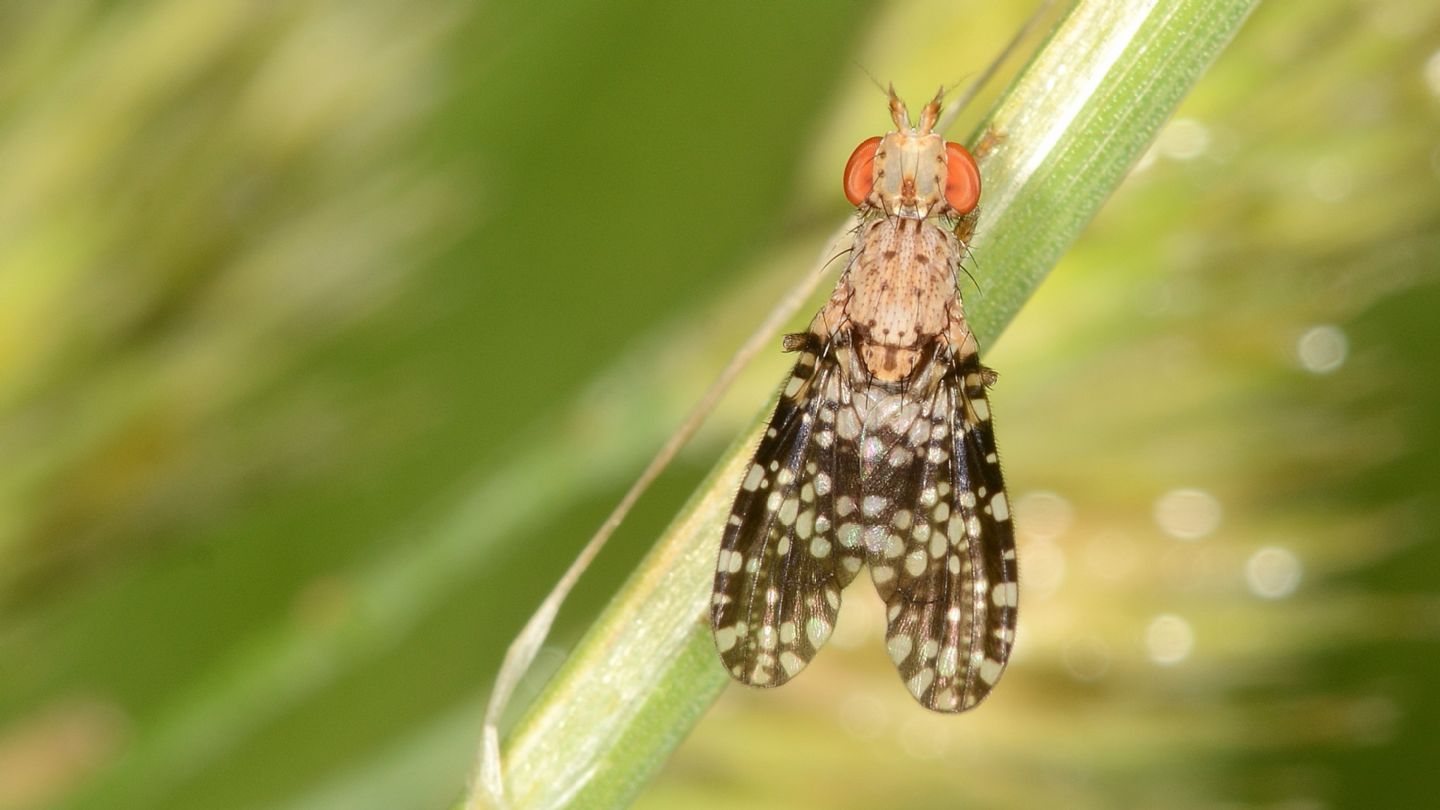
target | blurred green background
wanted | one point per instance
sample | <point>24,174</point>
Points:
<point>330,331</point>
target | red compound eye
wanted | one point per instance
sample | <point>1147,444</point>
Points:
<point>962,178</point>
<point>860,171</point>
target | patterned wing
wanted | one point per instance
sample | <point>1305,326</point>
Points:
<point>781,568</point>
<point>948,573</point>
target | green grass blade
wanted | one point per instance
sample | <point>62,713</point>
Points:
<point>1065,134</point>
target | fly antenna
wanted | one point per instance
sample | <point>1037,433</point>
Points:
<point>931,112</point>
<point>898,113</point>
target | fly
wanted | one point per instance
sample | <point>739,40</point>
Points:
<point>880,452</point>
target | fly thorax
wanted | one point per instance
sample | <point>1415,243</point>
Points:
<point>902,283</point>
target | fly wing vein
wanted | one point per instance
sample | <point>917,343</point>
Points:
<point>779,573</point>
<point>951,604</point>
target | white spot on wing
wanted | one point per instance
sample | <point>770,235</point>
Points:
<point>752,478</point>
<point>1005,594</point>
<point>1001,507</point>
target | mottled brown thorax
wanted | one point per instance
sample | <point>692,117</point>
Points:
<point>901,292</point>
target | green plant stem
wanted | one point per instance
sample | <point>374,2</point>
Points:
<point>1060,140</point>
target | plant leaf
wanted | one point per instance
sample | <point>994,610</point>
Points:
<point>1060,140</point>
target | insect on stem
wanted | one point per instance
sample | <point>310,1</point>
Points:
<point>880,451</point>
<point>488,788</point>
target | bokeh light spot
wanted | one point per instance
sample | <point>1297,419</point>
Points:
<point>921,737</point>
<point>1272,572</point>
<point>1044,569</point>
<point>1188,514</point>
<point>863,716</point>
<point>1184,139</point>
<point>1169,639</point>
<point>1432,73</point>
<point>1046,515</point>
<point>1322,349</point>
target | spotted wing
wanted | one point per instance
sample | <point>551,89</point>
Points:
<point>948,573</point>
<point>780,570</point>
